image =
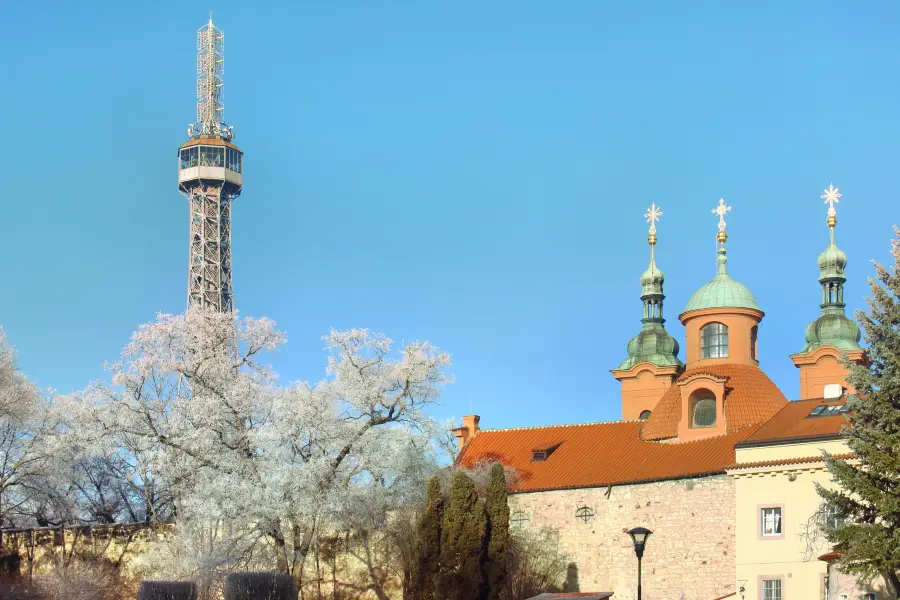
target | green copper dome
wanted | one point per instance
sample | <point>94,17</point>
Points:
<point>652,280</point>
<point>832,262</point>
<point>654,345</point>
<point>722,291</point>
<point>832,328</point>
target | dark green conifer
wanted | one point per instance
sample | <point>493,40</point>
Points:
<point>428,560</point>
<point>462,543</point>
<point>867,496</point>
<point>497,508</point>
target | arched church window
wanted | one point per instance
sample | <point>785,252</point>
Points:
<point>703,409</point>
<point>644,415</point>
<point>753,333</point>
<point>714,341</point>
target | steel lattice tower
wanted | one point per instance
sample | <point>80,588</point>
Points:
<point>210,175</point>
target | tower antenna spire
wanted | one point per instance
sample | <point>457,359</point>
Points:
<point>210,89</point>
<point>210,176</point>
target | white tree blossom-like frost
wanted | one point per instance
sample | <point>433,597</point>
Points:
<point>266,466</point>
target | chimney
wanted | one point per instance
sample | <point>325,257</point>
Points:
<point>468,430</point>
<point>833,391</point>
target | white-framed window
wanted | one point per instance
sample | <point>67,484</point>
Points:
<point>868,596</point>
<point>770,522</point>
<point>714,340</point>
<point>771,589</point>
<point>844,597</point>
<point>830,517</point>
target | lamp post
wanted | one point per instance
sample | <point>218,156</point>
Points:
<point>639,536</point>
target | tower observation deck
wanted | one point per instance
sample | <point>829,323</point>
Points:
<point>210,176</point>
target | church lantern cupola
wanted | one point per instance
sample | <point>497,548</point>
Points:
<point>832,333</point>
<point>721,319</point>
<point>652,362</point>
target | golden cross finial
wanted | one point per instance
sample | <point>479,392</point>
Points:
<point>720,210</point>
<point>652,216</point>
<point>831,195</point>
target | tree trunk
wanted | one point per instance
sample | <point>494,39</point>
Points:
<point>893,579</point>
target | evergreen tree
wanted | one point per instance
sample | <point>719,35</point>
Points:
<point>497,508</point>
<point>462,543</point>
<point>428,560</point>
<point>868,493</point>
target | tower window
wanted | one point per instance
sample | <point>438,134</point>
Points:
<point>212,156</point>
<point>645,414</point>
<point>753,333</point>
<point>714,341</point>
<point>703,409</point>
<point>189,157</point>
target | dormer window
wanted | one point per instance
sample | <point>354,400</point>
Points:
<point>542,454</point>
<point>703,409</point>
<point>714,341</point>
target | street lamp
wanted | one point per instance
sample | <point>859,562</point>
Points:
<point>639,536</point>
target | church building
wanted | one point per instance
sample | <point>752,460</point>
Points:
<point>709,455</point>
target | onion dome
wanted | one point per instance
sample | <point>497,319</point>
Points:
<point>653,343</point>
<point>832,262</point>
<point>652,279</point>
<point>832,329</point>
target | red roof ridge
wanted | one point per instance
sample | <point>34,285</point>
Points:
<point>789,461</point>
<point>675,442</point>
<point>557,426</point>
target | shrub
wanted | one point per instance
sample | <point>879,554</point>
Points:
<point>86,578</point>
<point>260,586</point>
<point>167,590</point>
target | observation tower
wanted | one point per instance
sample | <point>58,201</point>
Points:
<point>210,176</point>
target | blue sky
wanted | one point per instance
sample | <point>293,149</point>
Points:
<point>471,173</point>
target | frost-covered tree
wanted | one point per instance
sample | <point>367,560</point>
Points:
<point>263,465</point>
<point>867,493</point>
<point>28,424</point>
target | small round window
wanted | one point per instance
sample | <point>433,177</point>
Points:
<point>703,410</point>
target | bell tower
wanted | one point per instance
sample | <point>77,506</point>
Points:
<point>832,334</point>
<point>652,364</point>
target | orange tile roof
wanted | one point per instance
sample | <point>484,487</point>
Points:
<point>792,422</point>
<point>788,461</point>
<point>598,454</point>
<point>750,398</point>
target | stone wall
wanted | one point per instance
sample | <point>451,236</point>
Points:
<point>690,555</point>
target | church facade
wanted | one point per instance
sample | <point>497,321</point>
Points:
<point>707,453</point>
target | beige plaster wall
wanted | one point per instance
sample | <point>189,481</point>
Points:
<point>691,551</point>
<point>794,556</point>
